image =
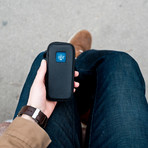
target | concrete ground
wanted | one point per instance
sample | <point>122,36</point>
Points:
<point>27,27</point>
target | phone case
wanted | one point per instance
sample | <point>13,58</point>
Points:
<point>60,71</point>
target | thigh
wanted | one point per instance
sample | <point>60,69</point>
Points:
<point>64,125</point>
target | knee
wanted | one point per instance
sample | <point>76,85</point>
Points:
<point>41,55</point>
<point>119,66</point>
<point>121,61</point>
<point>124,59</point>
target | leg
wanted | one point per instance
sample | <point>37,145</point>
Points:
<point>120,111</point>
<point>63,126</point>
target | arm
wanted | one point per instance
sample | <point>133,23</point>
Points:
<point>24,131</point>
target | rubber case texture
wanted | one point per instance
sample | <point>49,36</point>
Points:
<point>60,76</point>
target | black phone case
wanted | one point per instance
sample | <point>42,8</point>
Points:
<point>60,75</point>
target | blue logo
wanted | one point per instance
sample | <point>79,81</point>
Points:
<point>61,57</point>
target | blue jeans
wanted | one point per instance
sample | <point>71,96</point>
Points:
<point>112,85</point>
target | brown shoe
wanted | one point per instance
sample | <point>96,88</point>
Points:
<point>81,41</point>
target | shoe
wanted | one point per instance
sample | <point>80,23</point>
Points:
<point>82,41</point>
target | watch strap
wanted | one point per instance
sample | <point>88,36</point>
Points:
<point>35,114</point>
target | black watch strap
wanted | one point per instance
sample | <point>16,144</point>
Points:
<point>35,114</point>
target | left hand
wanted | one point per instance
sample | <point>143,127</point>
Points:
<point>37,97</point>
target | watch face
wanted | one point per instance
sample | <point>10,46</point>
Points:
<point>61,57</point>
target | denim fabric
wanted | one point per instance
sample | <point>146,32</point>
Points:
<point>112,85</point>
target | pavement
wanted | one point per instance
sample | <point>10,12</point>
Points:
<point>27,27</point>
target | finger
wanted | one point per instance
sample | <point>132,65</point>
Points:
<point>76,84</point>
<point>74,90</point>
<point>42,71</point>
<point>76,73</point>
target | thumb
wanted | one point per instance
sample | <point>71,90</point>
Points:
<point>42,71</point>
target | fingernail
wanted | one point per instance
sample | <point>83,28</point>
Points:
<point>77,73</point>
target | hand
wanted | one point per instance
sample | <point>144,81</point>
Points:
<point>37,97</point>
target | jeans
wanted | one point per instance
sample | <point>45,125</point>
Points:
<point>112,86</point>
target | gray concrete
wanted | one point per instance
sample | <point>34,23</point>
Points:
<point>28,26</point>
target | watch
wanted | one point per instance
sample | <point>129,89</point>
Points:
<point>36,114</point>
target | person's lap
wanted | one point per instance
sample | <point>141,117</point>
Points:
<point>112,83</point>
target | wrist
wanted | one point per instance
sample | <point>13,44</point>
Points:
<point>35,114</point>
<point>27,118</point>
